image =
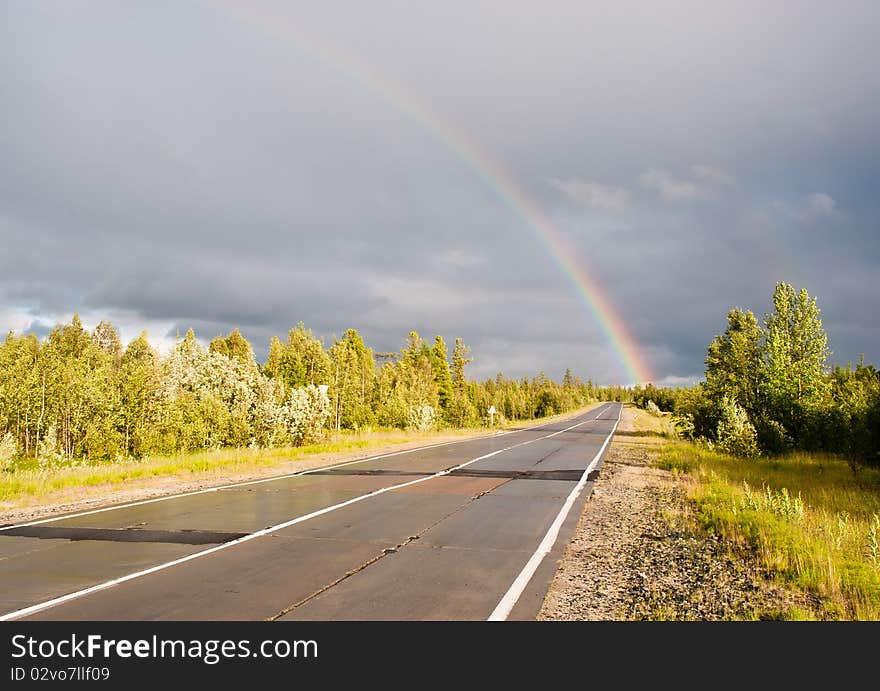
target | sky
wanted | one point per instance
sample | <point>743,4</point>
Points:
<point>219,165</point>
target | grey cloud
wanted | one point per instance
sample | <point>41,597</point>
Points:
<point>594,194</point>
<point>669,187</point>
<point>813,207</point>
<point>701,181</point>
<point>254,165</point>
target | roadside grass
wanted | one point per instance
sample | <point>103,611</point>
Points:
<point>645,424</point>
<point>33,481</point>
<point>28,483</point>
<point>811,521</point>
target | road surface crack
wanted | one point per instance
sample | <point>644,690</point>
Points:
<point>544,458</point>
<point>384,553</point>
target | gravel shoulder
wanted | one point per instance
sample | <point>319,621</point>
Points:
<point>637,553</point>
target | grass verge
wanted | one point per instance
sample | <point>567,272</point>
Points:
<point>40,482</point>
<point>810,520</point>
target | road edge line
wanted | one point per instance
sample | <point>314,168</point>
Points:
<point>511,597</point>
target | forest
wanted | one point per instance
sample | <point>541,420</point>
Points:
<point>83,396</point>
<point>769,388</point>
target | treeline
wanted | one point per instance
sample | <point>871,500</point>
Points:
<point>83,395</point>
<point>769,388</point>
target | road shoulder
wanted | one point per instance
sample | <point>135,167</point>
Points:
<point>637,553</point>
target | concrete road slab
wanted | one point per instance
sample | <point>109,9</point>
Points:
<point>460,486</point>
<point>388,519</point>
<point>14,547</point>
<point>73,566</point>
<point>419,583</point>
<point>243,511</point>
<point>257,580</point>
<point>496,522</point>
<point>532,489</point>
<point>358,561</point>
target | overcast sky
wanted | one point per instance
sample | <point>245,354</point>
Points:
<point>182,164</point>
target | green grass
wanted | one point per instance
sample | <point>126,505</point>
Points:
<point>812,522</point>
<point>29,483</point>
<point>35,482</point>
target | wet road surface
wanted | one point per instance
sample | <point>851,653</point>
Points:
<point>441,532</point>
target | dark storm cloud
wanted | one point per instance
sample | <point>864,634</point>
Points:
<point>212,165</point>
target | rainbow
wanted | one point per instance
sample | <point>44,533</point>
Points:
<point>589,293</point>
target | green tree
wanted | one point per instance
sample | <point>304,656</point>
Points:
<point>414,348</point>
<point>415,373</point>
<point>461,410</point>
<point>106,337</point>
<point>234,345</point>
<point>460,360</point>
<point>735,361</point>
<point>102,424</point>
<point>139,382</point>
<point>735,434</point>
<point>796,357</point>
<point>66,354</point>
<point>391,408</point>
<point>300,361</point>
<point>25,395</point>
<point>440,364</point>
<point>353,374</point>
<point>82,392</point>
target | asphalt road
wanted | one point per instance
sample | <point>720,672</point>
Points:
<point>464,530</point>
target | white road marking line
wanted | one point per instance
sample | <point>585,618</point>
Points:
<point>33,609</point>
<point>257,482</point>
<point>511,597</point>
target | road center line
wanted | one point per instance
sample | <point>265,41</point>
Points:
<point>33,609</point>
<point>511,597</point>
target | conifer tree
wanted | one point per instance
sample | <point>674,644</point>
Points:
<point>440,364</point>
<point>460,360</point>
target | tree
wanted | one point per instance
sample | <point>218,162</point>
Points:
<point>106,337</point>
<point>25,394</point>
<point>391,409</point>
<point>735,434</point>
<point>304,414</point>
<point>796,356</point>
<point>414,348</point>
<point>139,382</point>
<point>234,345</point>
<point>461,410</point>
<point>460,360</point>
<point>300,361</point>
<point>353,374</point>
<point>440,364</point>
<point>81,395</point>
<point>415,373</point>
<point>67,355</point>
<point>734,361</point>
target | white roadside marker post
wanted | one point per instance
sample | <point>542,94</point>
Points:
<point>491,416</point>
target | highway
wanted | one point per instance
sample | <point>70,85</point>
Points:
<point>467,530</point>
